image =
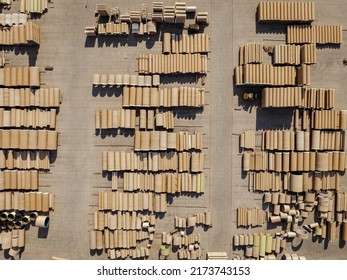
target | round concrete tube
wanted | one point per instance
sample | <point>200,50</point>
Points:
<point>42,221</point>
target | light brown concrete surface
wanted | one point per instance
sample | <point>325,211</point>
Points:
<point>75,175</point>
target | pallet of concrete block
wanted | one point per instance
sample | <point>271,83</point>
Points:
<point>25,97</point>
<point>163,140</point>
<point>36,118</point>
<point>90,31</point>
<point>163,97</point>
<point>140,161</point>
<point>216,256</point>
<point>150,119</point>
<point>124,80</point>
<point>33,6</point>
<point>308,54</point>
<point>24,160</point>
<point>28,34</point>
<point>184,43</point>
<point>328,119</point>
<point>171,183</point>
<point>26,201</point>
<point>20,76</point>
<point>251,53</point>
<point>130,201</point>
<point>247,140</point>
<point>111,28</point>
<point>314,34</point>
<point>115,118</point>
<point>13,19</point>
<point>19,180</point>
<point>193,254</point>
<point>261,74</point>
<point>265,181</point>
<point>286,11</point>
<point>172,63</point>
<point>28,139</point>
<point>250,217</point>
<point>286,54</point>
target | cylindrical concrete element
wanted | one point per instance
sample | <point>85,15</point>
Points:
<point>42,221</point>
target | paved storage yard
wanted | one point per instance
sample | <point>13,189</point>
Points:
<point>76,176</point>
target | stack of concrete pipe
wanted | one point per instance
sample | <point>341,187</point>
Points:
<point>180,12</point>
<point>193,220</point>
<point>24,97</point>
<point>29,139</point>
<point>184,43</point>
<point>27,118</point>
<point>341,202</point>
<point>163,140</point>
<point>165,182</point>
<point>308,54</point>
<point>13,19</point>
<point>172,63</point>
<point>247,140</point>
<point>328,119</point>
<point>28,34</point>
<point>294,161</point>
<point>33,6</point>
<point>265,181</point>
<point>130,201</point>
<point>152,161</point>
<point>314,34</point>
<point>111,28</point>
<point>286,11</point>
<point>304,75</point>
<point>13,241</point>
<point>150,120</point>
<point>10,159</point>
<point>286,54</point>
<point>19,180</point>
<point>250,217</point>
<point>302,140</point>
<point>20,77</point>
<point>26,201</point>
<point>251,53</point>
<point>216,256</point>
<point>298,97</point>
<point>111,80</point>
<point>163,97</point>
<point>140,161</point>
<point>262,74</point>
<point>115,118</point>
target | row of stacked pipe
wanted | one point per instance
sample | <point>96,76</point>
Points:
<point>142,22</point>
<point>163,162</point>
<point>298,170</point>
<point>28,136</point>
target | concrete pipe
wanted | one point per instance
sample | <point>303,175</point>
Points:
<point>42,221</point>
